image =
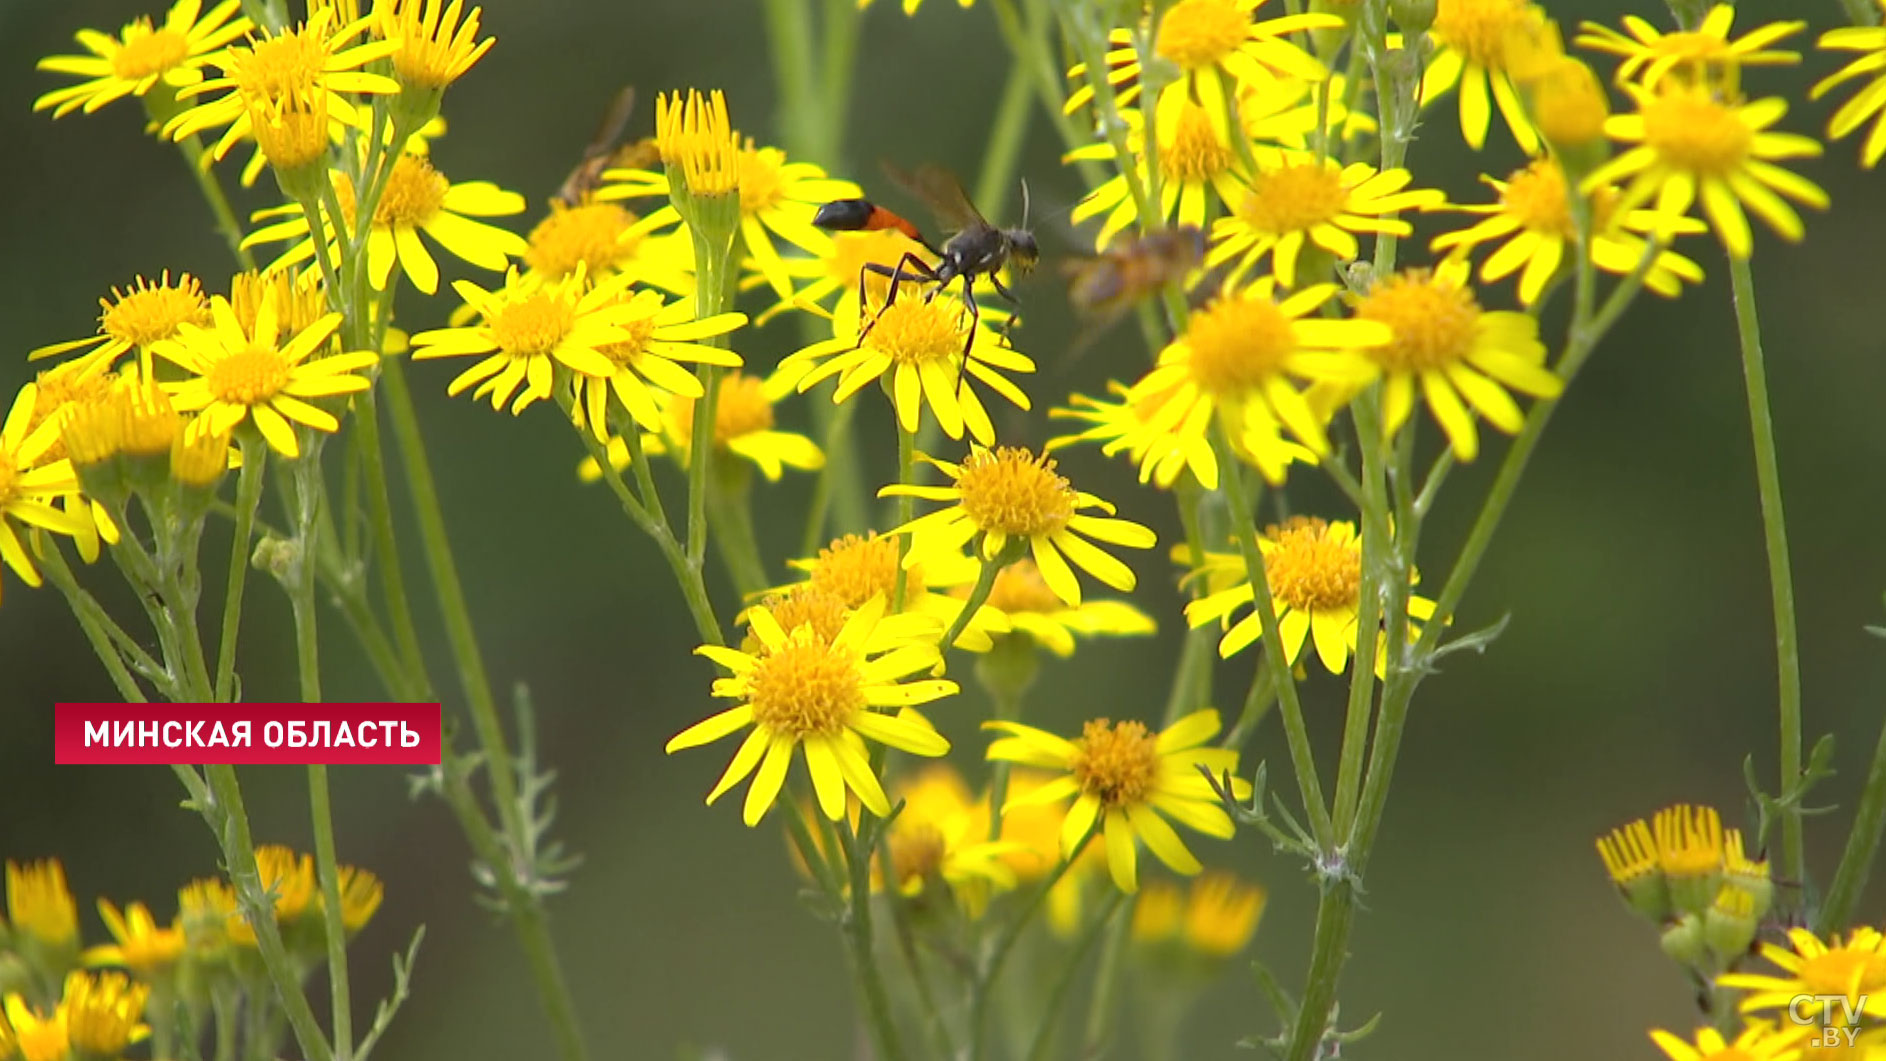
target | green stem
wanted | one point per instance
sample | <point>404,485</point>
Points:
<point>1057,997</point>
<point>980,988</point>
<point>212,189</point>
<point>317,234</point>
<point>1335,913</point>
<point>1257,701</point>
<point>1780,576</point>
<point>839,58</point>
<point>386,545</point>
<point>327,871</point>
<point>1008,132</point>
<point>1100,1010</point>
<point>840,485</point>
<point>789,32</point>
<point>711,297</point>
<point>978,595</point>
<point>1856,862</point>
<point>730,507</point>
<point>863,958</point>
<point>248,498</point>
<point>1302,756</point>
<point>97,626</point>
<point>1031,46</point>
<point>309,488</point>
<point>1377,575</point>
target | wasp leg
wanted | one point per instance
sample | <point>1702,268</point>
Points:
<point>921,272</point>
<point>1014,320</point>
<point>975,319</point>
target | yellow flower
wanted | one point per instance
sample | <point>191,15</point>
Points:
<point>1196,163</point>
<point>35,1036</point>
<point>696,137</point>
<point>1033,610</point>
<point>261,374</point>
<point>1295,202</point>
<point>141,55</point>
<point>29,484</point>
<point>1125,781</point>
<point>657,336</point>
<point>1010,493</point>
<point>930,346</point>
<point>361,892</point>
<point>1475,38</point>
<point>206,910</point>
<point>607,239</point>
<point>1463,357</point>
<point>418,198</point>
<point>39,903</point>
<point>839,272</point>
<point>1128,426</point>
<point>531,327</point>
<point>802,691</point>
<point>1534,219</point>
<point>743,426</point>
<point>1759,1041</point>
<point>1314,568</point>
<point>1870,102</point>
<point>853,569</point>
<point>136,318</point>
<point>910,6</point>
<point>435,46</point>
<point>1215,918</point>
<point>1031,833</point>
<point>1239,361</point>
<point>943,834</point>
<point>1692,145</point>
<point>142,945</point>
<point>1704,56</point>
<point>290,878</point>
<point>310,63</point>
<point>101,1012</point>
<point>1852,968</point>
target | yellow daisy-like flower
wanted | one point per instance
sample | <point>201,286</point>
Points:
<point>531,327</point>
<point>1031,832</point>
<point>30,483</point>
<point>1295,202</point>
<point>310,64</point>
<point>1475,38</point>
<point>777,201</point>
<point>1691,145</point>
<point>856,568</point>
<point>38,902</point>
<point>608,239</point>
<point>261,374</point>
<point>1464,358</point>
<point>801,691</point>
<point>1126,781</point>
<point>1852,968</point>
<point>1239,360</point>
<point>290,878</point>
<point>942,834</point>
<point>1534,220</point>
<point>1215,918</point>
<point>658,336</point>
<point>1196,163</point>
<point>100,1012</point>
<point>141,55</point>
<point>920,343</point>
<point>1033,610</point>
<point>1704,56</point>
<point>1870,102</point>
<point>135,318</point>
<point>1314,568</point>
<point>438,41</point>
<point>361,893</point>
<point>836,276</point>
<point>206,908</point>
<point>743,426</point>
<point>1126,426</point>
<point>911,6</point>
<point>1759,1041</point>
<point>143,946</point>
<point>1010,493</point>
<point>418,198</point>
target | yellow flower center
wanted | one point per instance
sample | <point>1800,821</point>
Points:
<point>147,313</point>
<point>1195,153</point>
<point>762,185</point>
<point>1479,29</point>
<point>413,194</point>
<point>806,687</point>
<point>1691,131</point>
<point>433,51</point>
<point>249,376</point>
<point>1294,198</point>
<point>534,325</point>
<point>1200,33</point>
<point>917,850</point>
<point>1012,491</point>
<point>623,351</point>
<point>1536,197</point>
<point>853,250</point>
<point>914,331</point>
<point>1117,762</point>
<point>587,234</point>
<point>855,569</point>
<point>1435,321</point>
<point>145,52</point>
<point>1841,970</point>
<point>809,606</point>
<point>62,392</point>
<point>1309,570</point>
<point>290,63</point>
<point>741,409</point>
<point>1238,343</point>
<point>1019,587</point>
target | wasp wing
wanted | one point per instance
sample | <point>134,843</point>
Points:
<point>601,146</point>
<point>939,190</point>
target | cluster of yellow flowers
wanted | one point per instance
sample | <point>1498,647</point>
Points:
<point>1224,146</point>
<point>59,1007</point>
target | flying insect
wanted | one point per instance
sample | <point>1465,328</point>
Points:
<point>606,151</point>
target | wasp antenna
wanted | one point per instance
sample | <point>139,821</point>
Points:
<point>1024,202</point>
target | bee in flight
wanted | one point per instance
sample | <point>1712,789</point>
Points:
<point>976,247</point>
<point>603,152</point>
<point>1129,270</point>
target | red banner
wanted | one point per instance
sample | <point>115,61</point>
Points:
<point>242,734</point>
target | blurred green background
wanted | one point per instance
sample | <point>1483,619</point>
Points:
<point>1637,669</point>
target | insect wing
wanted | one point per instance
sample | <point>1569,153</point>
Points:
<point>937,189</point>
<point>600,147</point>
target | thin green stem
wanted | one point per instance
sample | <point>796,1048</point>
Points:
<point>981,988</point>
<point>1856,862</point>
<point>309,490</point>
<point>1032,47</point>
<point>839,484</point>
<point>1297,735</point>
<point>1335,914</point>
<point>730,507</point>
<point>248,499</point>
<point>711,298</point>
<point>789,32</point>
<point>327,871</point>
<point>386,544</point>
<point>1377,574</point>
<point>212,189</point>
<point>1105,1001</point>
<point>1043,1047</point>
<point>1008,133</point>
<point>97,625</point>
<point>1257,702</point>
<point>863,957</point>
<point>843,21</point>
<point>323,255</point>
<point>1780,576</point>
<point>978,595</point>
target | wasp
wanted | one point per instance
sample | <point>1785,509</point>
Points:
<point>975,248</point>
<point>606,151</point>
